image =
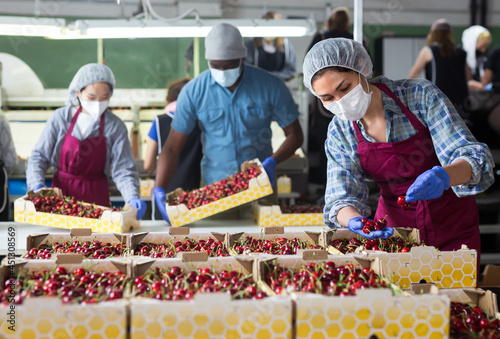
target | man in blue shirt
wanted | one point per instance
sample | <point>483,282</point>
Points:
<point>234,104</point>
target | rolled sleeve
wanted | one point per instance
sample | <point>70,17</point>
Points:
<point>122,164</point>
<point>453,141</point>
<point>345,181</point>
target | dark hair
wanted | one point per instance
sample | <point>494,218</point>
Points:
<point>110,87</point>
<point>338,69</point>
<point>339,20</point>
<point>445,41</point>
<point>175,88</point>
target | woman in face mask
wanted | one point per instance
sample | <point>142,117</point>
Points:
<point>87,143</point>
<point>407,137</point>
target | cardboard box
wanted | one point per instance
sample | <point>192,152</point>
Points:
<point>272,216</point>
<point>371,312</point>
<point>284,185</point>
<point>174,234</point>
<point>109,222</point>
<point>208,315</point>
<point>258,187</point>
<point>79,234</point>
<point>271,233</point>
<point>47,317</point>
<point>146,187</point>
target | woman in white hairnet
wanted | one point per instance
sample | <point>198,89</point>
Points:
<point>86,143</point>
<point>407,137</point>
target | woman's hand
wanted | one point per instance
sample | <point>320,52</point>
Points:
<point>429,185</point>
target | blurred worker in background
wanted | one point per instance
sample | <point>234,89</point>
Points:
<point>87,143</point>
<point>275,55</point>
<point>8,162</point>
<point>188,174</point>
<point>444,63</point>
<point>234,104</point>
<point>475,41</point>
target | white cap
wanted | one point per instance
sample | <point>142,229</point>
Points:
<point>224,42</point>
<point>87,75</point>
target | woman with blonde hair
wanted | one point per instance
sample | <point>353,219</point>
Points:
<point>475,41</point>
<point>274,54</point>
<point>444,63</point>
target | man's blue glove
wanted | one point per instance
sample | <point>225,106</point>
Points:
<point>356,226</point>
<point>140,205</point>
<point>270,167</point>
<point>429,185</point>
<point>160,198</point>
<point>37,187</point>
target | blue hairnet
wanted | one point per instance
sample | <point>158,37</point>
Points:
<point>87,75</point>
<point>339,52</point>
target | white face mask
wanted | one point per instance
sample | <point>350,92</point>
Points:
<point>227,77</point>
<point>353,105</point>
<point>94,108</point>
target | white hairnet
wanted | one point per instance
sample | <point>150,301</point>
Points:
<point>87,75</point>
<point>224,42</point>
<point>339,52</point>
<point>469,42</point>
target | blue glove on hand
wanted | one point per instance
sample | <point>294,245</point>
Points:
<point>140,205</point>
<point>37,187</point>
<point>160,199</point>
<point>429,185</point>
<point>356,226</point>
<point>270,167</point>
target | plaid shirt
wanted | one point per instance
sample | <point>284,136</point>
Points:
<point>346,184</point>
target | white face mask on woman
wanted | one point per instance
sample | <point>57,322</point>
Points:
<point>353,105</point>
<point>94,108</point>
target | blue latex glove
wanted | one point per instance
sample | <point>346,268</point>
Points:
<point>270,167</point>
<point>140,205</point>
<point>429,185</point>
<point>160,197</point>
<point>37,187</point>
<point>356,226</point>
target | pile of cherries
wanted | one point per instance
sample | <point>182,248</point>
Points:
<point>392,244</point>
<point>402,202</point>
<point>226,187</point>
<point>467,321</point>
<point>67,206</point>
<point>373,225</point>
<point>212,247</point>
<point>176,284</point>
<point>280,246</point>
<point>302,208</point>
<point>323,278</point>
<point>80,286</point>
<point>89,249</point>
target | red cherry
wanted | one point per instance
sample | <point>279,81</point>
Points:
<point>401,200</point>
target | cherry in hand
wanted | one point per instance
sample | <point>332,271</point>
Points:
<point>373,225</point>
<point>402,202</point>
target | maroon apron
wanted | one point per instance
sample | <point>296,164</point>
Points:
<point>446,222</point>
<point>80,173</point>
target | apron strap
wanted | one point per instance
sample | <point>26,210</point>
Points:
<point>409,115</point>
<point>101,125</point>
<point>73,121</point>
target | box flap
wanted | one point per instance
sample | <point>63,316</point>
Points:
<point>34,240</point>
<point>274,230</point>
<point>232,238</point>
<point>247,263</point>
<point>219,236</point>
<point>80,232</point>
<point>427,288</point>
<point>179,230</point>
<point>314,236</point>
<point>136,239</point>
<point>193,256</point>
<point>486,300</point>
<point>69,258</point>
<point>408,233</point>
<point>7,271</point>
<point>122,266</point>
<point>140,267</point>
<point>310,254</point>
<point>491,276</point>
<point>122,238</point>
<point>325,237</point>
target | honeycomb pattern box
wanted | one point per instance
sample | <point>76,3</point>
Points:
<point>272,216</point>
<point>284,185</point>
<point>173,234</point>
<point>47,317</point>
<point>211,315</point>
<point>372,312</point>
<point>109,222</point>
<point>146,187</point>
<point>78,234</point>
<point>180,215</point>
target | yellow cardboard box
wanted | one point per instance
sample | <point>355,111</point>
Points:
<point>284,185</point>
<point>109,222</point>
<point>47,317</point>
<point>208,315</point>
<point>146,187</point>
<point>272,216</point>
<point>180,215</point>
